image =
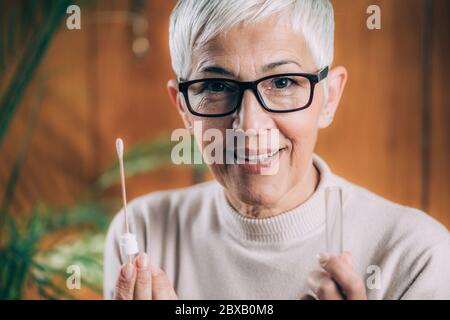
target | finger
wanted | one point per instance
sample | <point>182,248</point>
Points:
<point>340,270</point>
<point>323,286</point>
<point>125,283</point>
<point>161,287</point>
<point>143,286</point>
<point>347,256</point>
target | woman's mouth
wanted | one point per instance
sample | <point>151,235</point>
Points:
<point>253,157</point>
<point>265,163</point>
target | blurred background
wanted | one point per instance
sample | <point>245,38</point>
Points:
<point>65,95</point>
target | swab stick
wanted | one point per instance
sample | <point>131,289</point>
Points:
<point>119,148</point>
<point>128,243</point>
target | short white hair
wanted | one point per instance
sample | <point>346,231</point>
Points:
<point>195,22</point>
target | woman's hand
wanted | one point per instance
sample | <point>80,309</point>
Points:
<point>137,281</point>
<point>337,280</point>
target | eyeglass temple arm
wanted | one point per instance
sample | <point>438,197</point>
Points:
<point>322,74</point>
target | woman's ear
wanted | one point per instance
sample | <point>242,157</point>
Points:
<point>175,98</point>
<point>337,78</point>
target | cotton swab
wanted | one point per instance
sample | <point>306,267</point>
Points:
<point>128,243</point>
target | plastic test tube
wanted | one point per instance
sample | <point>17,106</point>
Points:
<point>334,220</point>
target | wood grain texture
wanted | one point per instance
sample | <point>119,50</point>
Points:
<point>375,138</point>
<point>439,193</point>
<point>132,97</point>
<point>57,160</point>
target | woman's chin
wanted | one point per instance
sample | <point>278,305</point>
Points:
<point>260,196</point>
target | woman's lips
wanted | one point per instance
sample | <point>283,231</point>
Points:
<point>255,156</point>
<point>261,163</point>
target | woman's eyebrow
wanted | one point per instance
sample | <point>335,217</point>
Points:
<point>224,72</point>
<point>273,65</point>
<point>217,69</point>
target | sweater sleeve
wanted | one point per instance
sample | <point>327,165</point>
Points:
<point>432,279</point>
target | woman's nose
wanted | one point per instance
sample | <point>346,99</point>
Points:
<point>251,115</point>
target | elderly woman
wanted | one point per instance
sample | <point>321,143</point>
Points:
<point>258,66</point>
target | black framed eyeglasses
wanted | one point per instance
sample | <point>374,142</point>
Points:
<point>279,93</point>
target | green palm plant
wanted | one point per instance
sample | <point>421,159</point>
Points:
<point>25,263</point>
<point>26,29</point>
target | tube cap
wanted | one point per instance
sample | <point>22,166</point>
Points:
<point>128,244</point>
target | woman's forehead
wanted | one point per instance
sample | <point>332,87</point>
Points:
<point>265,33</point>
<point>264,48</point>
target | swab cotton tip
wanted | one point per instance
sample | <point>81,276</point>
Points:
<point>128,244</point>
<point>119,147</point>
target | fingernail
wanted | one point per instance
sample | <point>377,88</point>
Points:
<point>142,261</point>
<point>323,258</point>
<point>128,271</point>
<point>313,284</point>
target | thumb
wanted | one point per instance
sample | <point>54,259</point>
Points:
<point>125,283</point>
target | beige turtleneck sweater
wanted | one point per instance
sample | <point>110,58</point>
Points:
<point>210,251</point>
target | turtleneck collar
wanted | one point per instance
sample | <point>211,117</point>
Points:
<point>297,223</point>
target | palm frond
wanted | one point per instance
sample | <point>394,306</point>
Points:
<point>142,157</point>
<point>32,53</point>
<point>24,261</point>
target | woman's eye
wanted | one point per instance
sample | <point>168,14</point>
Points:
<point>214,87</point>
<point>281,83</point>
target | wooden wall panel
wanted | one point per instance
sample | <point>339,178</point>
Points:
<point>56,166</point>
<point>132,97</point>
<point>439,192</point>
<point>375,140</point>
